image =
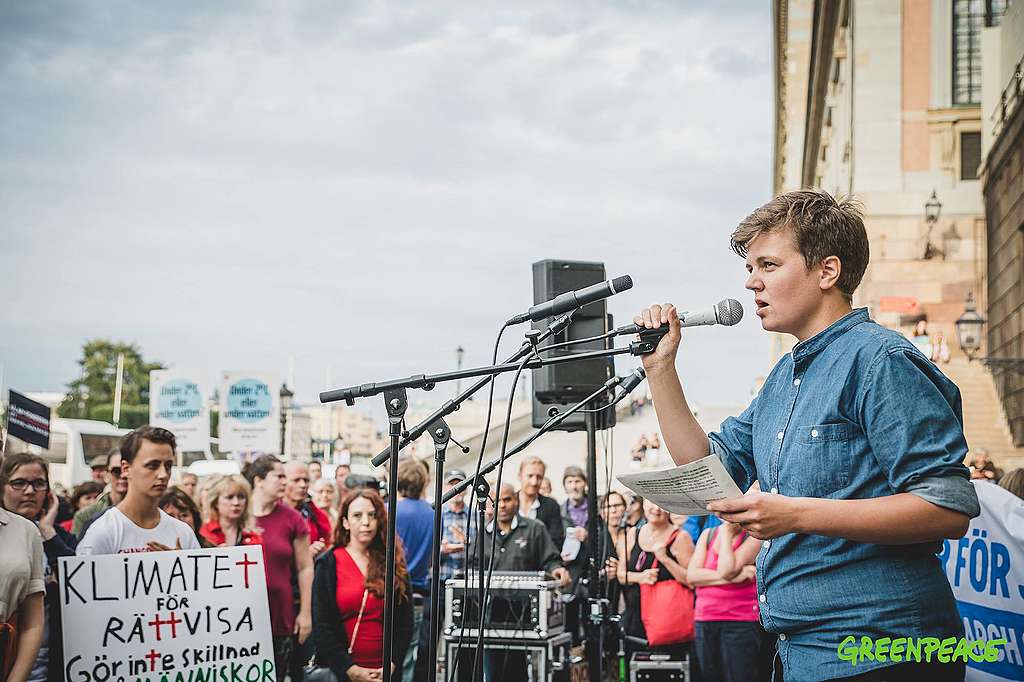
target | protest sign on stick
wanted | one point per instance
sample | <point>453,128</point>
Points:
<point>176,403</point>
<point>178,616</point>
<point>249,413</point>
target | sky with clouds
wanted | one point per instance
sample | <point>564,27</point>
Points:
<point>363,186</point>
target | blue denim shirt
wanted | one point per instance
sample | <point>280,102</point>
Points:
<point>854,412</point>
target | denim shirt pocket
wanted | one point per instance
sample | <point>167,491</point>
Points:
<point>824,458</point>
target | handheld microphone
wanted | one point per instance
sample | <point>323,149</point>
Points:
<point>627,385</point>
<point>571,300</point>
<point>726,312</point>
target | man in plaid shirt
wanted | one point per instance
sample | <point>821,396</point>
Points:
<point>454,521</point>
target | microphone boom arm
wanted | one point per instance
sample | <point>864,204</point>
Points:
<point>487,372</point>
<point>548,426</point>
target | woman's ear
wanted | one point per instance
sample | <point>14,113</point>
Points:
<point>831,269</point>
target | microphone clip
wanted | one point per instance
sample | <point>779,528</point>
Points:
<point>648,341</point>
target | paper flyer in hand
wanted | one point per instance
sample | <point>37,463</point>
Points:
<point>685,489</point>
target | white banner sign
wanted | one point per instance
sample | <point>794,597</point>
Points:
<point>249,421</point>
<point>986,570</point>
<point>176,403</point>
<point>181,616</point>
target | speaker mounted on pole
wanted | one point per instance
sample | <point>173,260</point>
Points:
<point>558,387</point>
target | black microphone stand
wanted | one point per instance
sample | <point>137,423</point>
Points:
<point>396,402</point>
<point>482,489</point>
<point>441,435</point>
<point>429,381</point>
<point>548,426</point>
<point>597,606</point>
<point>596,603</point>
<point>558,325</point>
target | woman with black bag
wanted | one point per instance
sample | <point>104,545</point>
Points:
<point>348,597</point>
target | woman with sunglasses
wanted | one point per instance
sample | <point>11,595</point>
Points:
<point>25,481</point>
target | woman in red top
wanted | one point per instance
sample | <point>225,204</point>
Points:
<point>228,525</point>
<point>348,594</point>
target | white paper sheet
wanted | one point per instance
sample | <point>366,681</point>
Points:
<point>685,489</point>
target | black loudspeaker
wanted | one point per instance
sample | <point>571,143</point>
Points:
<point>558,387</point>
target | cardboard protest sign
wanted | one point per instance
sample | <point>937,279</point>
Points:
<point>986,570</point>
<point>176,403</point>
<point>180,616</point>
<point>249,417</point>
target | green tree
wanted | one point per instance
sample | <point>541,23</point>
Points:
<point>91,396</point>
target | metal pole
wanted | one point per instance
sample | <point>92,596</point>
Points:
<point>482,488</point>
<point>118,385</point>
<point>284,421</point>
<point>396,402</point>
<point>441,435</point>
<point>595,610</point>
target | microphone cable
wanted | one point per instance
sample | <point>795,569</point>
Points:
<point>453,665</point>
<point>494,521</point>
<point>565,344</point>
<point>473,519</point>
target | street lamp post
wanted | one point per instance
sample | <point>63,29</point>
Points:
<point>968,328</point>
<point>932,211</point>
<point>286,405</point>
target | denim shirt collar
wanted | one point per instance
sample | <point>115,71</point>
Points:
<point>820,341</point>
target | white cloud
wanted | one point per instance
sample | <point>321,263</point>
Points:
<point>229,188</point>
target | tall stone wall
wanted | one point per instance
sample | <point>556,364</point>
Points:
<point>1004,207</point>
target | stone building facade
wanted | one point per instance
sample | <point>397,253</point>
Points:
<point>1003,187</point>
<point>877,99</point>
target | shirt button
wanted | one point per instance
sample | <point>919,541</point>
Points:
<point>763,598</point>
<point>779,435</point>
<point>782,636</point>
<point>796,382</point>
<point>767,544</point>
<point>814,433</point>
<point>775,490</point>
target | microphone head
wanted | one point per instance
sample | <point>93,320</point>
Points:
<point>622,283</point>
<point>729,312</point>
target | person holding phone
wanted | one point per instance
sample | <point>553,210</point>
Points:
<point>26,492</point>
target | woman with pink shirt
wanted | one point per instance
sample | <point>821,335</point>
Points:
<point>728,632</point>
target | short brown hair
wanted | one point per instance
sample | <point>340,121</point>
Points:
<point>12,462</point>
<point>532,459</point>
<point>821,225</point>
<point>412,478</point>
<point>1014,482</point>
<point>131,442</point>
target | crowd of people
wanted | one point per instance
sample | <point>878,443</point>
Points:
<point>680,585</point>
